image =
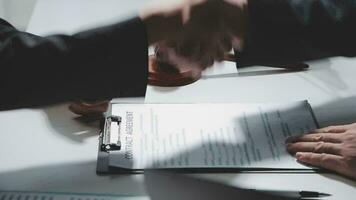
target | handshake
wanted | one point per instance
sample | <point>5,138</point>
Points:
<point>195,33</point>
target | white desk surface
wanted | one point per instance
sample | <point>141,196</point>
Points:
<point>48,149</point>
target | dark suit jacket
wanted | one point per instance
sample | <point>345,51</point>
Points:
<point>289,31</point>
<point>112,61</point>
<point>105,62</point>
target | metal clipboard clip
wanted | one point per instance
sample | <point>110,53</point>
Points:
<point>111,141</point>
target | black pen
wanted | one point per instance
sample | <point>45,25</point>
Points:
<point>294,194</point>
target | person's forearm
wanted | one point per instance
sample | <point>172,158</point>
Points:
<point>101,63</point>
<point>285,31</point>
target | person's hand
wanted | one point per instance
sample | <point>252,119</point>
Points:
<point>195,33</point>
<point>89,108</point>
<point>332,148</point>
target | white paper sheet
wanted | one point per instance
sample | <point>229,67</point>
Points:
<point>209,135</point>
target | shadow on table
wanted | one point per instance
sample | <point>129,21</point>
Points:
<point>69,125</point>
<point>339,178</point>
<point>323,72</point>
<point>71,177</point>
<point>261,71</point>
<point>337,112</point>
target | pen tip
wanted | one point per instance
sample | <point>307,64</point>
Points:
<point>312,194</point>
<point>324,195</point>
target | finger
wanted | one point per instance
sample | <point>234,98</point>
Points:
<point>219,52</point>
<point>203,52</point>
<point>333,129</point>
<point>226,42</point>
<point>237,43</point>
<point>187,47</point>
<point>315,137</point>
<point>213,48</point>
<point>186,11</point>
<point>205,61</point>
<point>234,19</point>
<point>164,49</point>
<point>315,147</point>
<point>327,161</point>
<point>198,53</point>
<point>223,46</point>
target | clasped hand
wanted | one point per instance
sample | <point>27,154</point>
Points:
<point>195,33</point>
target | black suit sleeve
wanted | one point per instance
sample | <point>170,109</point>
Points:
<point>289,31</point>
<point>106,62</point>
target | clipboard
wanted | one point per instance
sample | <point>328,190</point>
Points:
<point>109,144</point>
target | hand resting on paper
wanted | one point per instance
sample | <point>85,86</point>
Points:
<point>332,148</point>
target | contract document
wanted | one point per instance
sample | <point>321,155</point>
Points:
<point>216,135</point>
